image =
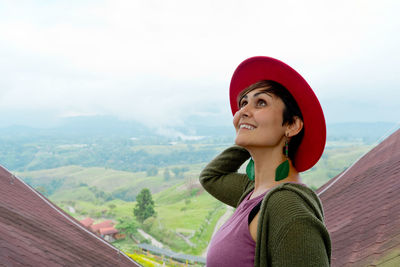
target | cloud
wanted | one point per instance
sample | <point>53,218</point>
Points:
<point>161,61</point>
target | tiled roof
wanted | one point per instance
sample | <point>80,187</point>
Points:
<point>87,222</point>
<point>362,208</point>
<point>104,224</point>
<point>35,232</point>
<point>108,231</point>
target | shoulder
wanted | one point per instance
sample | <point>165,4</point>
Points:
<point>289,200</point>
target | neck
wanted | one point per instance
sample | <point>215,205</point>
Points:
<point>265,164</point>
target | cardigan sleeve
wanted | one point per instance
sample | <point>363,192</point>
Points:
<point>221,179</point>
<point>295,231</point>
<point>300,238</point>
<point>301,245</point>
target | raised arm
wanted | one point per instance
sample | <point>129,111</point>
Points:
<point>221,179</point>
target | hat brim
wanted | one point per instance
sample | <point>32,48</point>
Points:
<point>260,68</point>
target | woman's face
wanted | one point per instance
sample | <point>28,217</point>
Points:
<point>258,122</point>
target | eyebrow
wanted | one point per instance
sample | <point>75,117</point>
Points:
<point>263,92</point>
<point>256,94</point>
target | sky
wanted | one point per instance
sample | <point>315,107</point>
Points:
<point>163,62</point>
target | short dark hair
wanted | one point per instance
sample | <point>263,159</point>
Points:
<point>290,111</point>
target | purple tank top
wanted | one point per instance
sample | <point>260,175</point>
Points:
<point>232,244</point>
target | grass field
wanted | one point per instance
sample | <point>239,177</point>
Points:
<point>194,213</point>
<point>190,206</point>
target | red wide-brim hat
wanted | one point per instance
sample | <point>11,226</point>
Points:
<point>256,69</point>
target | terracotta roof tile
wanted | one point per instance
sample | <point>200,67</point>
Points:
<point>108,231</point>
<point>35,232</point>
<point>104,224</point>
<point>362,208</point>
<point>87,222</point>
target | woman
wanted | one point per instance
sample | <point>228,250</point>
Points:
<point>278,221</point>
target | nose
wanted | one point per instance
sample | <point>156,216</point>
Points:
<point>245,111</point>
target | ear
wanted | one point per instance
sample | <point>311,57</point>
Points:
<point>294,128</point>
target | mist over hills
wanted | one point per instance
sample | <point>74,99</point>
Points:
<point>193,128</point>
<point>105,141</point>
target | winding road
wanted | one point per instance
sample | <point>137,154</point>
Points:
<point>154,241</point>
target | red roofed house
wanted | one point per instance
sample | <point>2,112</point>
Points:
<point>106,230</point>
<point>95,228</point>
<point>362,208</point>
<point>35,232</point>
<point>87,222</point>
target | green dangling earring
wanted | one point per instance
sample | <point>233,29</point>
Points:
<point>283,169</point>
<point>250,170</point>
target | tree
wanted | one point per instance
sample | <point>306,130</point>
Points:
<point>152,171</point>
<point>167,176</point>
<point>144,206</point>
<point>127,225</point>
<point>178,172</point>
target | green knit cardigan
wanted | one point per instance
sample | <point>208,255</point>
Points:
<point>291,229</point>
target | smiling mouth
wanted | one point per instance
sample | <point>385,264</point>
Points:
<point>246,126</point>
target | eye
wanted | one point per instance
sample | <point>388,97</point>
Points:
<point>242,104</point>
<point>261,103</point>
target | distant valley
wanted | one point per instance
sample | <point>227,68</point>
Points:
<point>96,167</point>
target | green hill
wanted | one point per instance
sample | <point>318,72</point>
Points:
<point>114,183</point>
<point>186,214</point>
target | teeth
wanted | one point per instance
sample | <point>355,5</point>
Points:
<point>246,126</point>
